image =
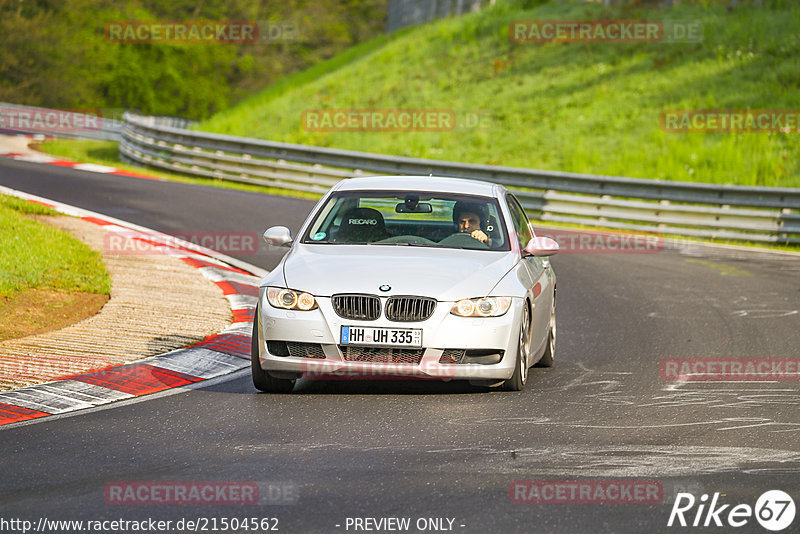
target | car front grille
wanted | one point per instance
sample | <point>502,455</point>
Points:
<point>305,350</point>
<point>381,354</point>
<point>409,309</point>
<point>357,307</point>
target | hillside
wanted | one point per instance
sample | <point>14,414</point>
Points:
<point>61,54</point>
<point>570,106</point>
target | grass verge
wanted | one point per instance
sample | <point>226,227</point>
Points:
<point>36,255</point>
<point>44,267</point>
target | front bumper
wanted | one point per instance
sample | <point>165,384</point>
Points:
<point>494,338</point>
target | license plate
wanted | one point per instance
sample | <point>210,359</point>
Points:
<point>381,337</point>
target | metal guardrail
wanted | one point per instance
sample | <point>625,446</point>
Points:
<point>32,120</point>
<point>765,214</point>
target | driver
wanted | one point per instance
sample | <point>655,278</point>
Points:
<point>468,217</point>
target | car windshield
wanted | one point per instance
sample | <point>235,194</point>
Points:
<point>401,218</point>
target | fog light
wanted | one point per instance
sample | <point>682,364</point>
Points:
<point>278,348</point>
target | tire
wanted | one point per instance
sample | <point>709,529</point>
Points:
<point>547,358</point>
<point>520,376</point>
<point>261,379</point>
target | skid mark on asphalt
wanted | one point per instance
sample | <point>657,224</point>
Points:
<point>729,423</point>
<point>717,396</point>
<point>596,386</point>
<point>619,461</point>
<point>731,301</point>
<point>720,397</point>
<point>740,301</point>
<point>592,389</point>
<point>764,314</point>
<point>748,313</point>
<point>562,460</point>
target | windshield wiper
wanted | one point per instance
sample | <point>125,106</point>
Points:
<point>404,244</point>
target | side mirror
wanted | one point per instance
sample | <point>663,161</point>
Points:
<point>541,246</point>
<point>278,236</point>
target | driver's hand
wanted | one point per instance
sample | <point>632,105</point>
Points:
<point>479,235</point>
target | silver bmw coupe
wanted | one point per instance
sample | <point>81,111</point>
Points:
<point>407,277</point>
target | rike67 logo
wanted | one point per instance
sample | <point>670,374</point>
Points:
<point>774,510</point>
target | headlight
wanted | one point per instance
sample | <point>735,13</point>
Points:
<point>482,307</point>
<point>290,299</point>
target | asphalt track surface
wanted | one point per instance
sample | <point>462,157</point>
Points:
<point>444,450</point>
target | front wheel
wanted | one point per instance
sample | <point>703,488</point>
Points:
<point>261,379</point>
<point>520,376</point>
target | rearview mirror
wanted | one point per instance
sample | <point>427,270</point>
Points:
<point>541,246</point>
<point>278,236</point>
<point>406,207</point>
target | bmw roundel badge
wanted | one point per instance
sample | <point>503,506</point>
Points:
<point>385,287</point>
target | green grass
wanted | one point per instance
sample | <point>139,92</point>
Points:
<point>580,107</point>
<point>25,207</point>
<point>107,153</point>
<point>237,118</point>
<point>36,255</point>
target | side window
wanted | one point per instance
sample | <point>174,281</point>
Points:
<point>522,228</point>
